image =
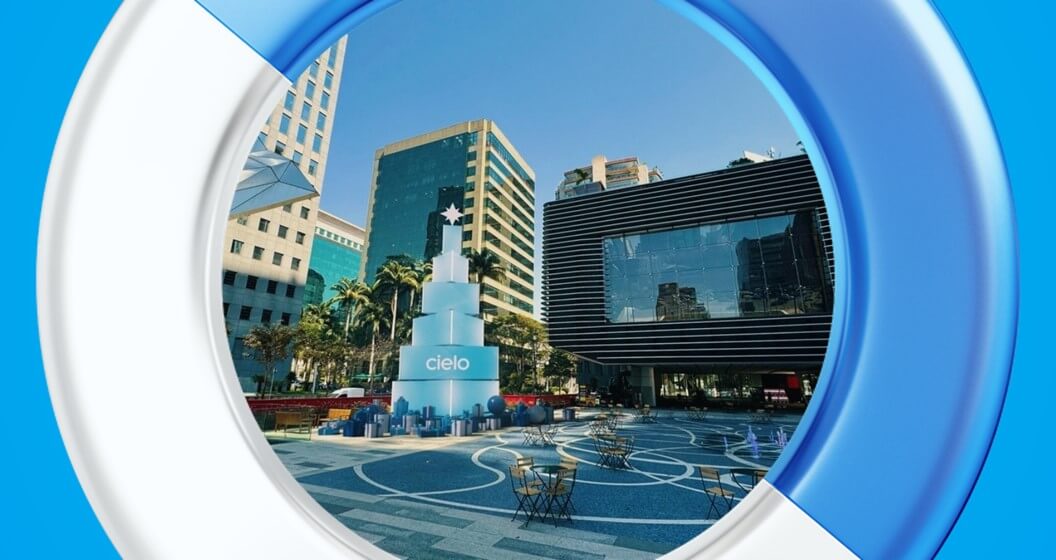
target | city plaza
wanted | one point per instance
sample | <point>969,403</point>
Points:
<point>453,497</point>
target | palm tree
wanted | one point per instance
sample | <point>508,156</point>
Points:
<point>485,264</point>
<point>423,271</point>
<point>350,295</point>
<point>271,341</point>
<point>394,276</point>
<point>372,315</point>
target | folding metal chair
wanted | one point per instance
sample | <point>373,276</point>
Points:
<point>531,436</point>
<point>709,478</point>
<point>527,494</point>
<point>559,494</point>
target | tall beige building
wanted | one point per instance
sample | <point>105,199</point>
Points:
<point>474,166</point>
<point>603,174</point>
<point>269,236</point>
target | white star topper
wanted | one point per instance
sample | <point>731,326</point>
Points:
<point>452,214</point>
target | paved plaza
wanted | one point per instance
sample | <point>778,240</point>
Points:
<point>451,497</point>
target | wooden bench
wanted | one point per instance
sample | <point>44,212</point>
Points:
<point>299,420</point>
<point>337,414</point>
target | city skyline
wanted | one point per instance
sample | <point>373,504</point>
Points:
<point>641,94</point>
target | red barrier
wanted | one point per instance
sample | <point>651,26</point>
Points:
<point>556,401</point>
<point>320,403</point>
<point>323,403</point>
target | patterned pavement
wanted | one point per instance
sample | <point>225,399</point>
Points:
<point>451,497</point>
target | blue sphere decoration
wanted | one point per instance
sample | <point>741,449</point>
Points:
<point>536,415</point>
<point>496,405</point>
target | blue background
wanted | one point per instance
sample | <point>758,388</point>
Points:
<point>1009,514</point>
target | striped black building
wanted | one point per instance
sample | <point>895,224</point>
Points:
<point>581,319</point>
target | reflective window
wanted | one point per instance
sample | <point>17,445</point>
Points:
<point>306,111</point>
<point>283,230</point>
<point>317,143</point>
<point>288,103</point>
<point>331,59</point>
<point>324,101</point>
<point>236,246</point>
<point>315,68</point>
<point>309,90</point>
<point>320,121</point>
<point>276,259</point>
<point>297,156</point>
<point>767,266</point>
<point>295,263</point>
<point>302,133</point>
<point>313,167</point>
<point>263,224</point>
<point>258,252</point>
<point>284,124</point>
<point>328,81</point>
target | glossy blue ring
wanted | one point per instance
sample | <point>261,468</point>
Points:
<point>924,323</point>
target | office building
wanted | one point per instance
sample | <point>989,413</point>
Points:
<point>337,252</point>
<point>269,239</point>
<point>719,283</point>
<point>474,166</point>
<point>603,174</point>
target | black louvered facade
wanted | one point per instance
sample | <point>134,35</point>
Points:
<point>573,269</point>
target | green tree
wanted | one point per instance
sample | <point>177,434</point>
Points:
<point>271,345</point>
<point>373,316</point>
<point>561,366</point>
<point>423,272</point>
<point>350,294</point>
<point>522,347</point>
<point>310,337</point>
<point>485,264</point>
<point>392,277</point>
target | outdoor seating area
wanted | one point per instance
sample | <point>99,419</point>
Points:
<point>661,481</point>
<point>545,490</point>
<point>540,435</point>
<point>697,414</point>
<point>644,414</point>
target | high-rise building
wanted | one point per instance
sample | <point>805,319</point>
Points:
<point>269,241</point>
<point>605,175</point>
<point>337,252</point>
<point>719,283</point>
<point>474,166</point>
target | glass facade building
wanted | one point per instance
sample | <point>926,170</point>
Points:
<point>337,252</point>
<point>474,166</point>
<point>719,283</point>
<point>407,189</point>
<point>772,266</point>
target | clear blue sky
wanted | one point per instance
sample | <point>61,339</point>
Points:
<point>564,79</point>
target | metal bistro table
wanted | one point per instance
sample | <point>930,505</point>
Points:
<point>551,483</point>
<point>737,474</point>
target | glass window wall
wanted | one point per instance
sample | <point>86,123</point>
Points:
<point>769,266</point>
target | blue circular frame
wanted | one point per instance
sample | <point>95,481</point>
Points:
<point>921,212</point>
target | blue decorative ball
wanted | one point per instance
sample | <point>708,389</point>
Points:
<point>536,415</point>
<point>496,405</point>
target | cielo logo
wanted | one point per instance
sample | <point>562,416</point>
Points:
<point>453,363</point>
